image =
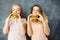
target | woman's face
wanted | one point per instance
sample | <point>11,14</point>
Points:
<point>16,9</point>
<point>35,9</point>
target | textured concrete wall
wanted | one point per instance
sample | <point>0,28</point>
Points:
<point>50,7</point>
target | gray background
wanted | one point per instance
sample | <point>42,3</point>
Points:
<point>50,7</point>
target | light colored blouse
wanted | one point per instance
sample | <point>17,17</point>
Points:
<point>16,30</point>
<point>38,33</point>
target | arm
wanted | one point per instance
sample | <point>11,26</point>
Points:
<point>46,28</point>
<point>23,31</point>
<point>24,24</point>
<point>45,25</point>
<point>29,29</point>
<point>6,27</point>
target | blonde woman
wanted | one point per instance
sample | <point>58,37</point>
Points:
<point>15,24</point>
<point>37,24</point>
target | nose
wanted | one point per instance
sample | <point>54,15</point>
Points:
<point>15,11</point>
<point>35,11</point>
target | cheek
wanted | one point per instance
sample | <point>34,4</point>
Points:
<point>33,11</point>
<point>18,12</point>
<point>13,11</point>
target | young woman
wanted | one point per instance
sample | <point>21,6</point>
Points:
<point>37,24</point>
<point>15,24</point>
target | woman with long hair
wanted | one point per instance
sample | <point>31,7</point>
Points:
<point>37,24</point>
<point>15,24</point>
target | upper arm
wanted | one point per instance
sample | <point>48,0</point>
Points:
<point>24,23</point>
<point>29,29</point>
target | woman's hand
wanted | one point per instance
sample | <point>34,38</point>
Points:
<point>6,26</point>
<point>8,18</point>
<point>29,17</point>
<point>40,18</point>
<point>19,19</point>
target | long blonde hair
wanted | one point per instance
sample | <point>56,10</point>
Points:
<point>41,12</point>
<point>21,13</point>
<point>45,17</point>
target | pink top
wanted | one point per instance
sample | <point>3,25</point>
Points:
<point>38,33</point>
<point>16,30</point>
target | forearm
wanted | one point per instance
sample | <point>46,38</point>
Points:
<point>6,28</point>
<point>22,26</point>
<point>29,29</point>
<point>25,28</point>
<point>46,28</point>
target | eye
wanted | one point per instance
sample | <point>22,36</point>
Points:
<point>13,9</point>
<point>18,9</point>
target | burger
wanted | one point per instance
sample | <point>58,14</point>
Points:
<point>14,15</point>
<point>34,16</point>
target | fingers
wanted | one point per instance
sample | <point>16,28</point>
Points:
<point>39,18</point>
<point>8,16</point>
<point>7,19</point>
<point>19,15</point>
<point>29,17</point>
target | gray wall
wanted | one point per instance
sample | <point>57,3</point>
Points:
<point>50,7</point>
